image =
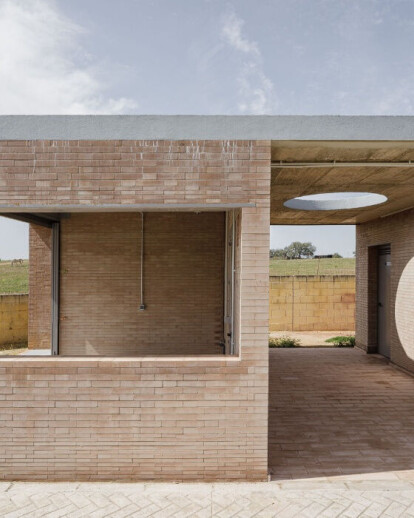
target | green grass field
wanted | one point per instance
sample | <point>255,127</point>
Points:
<point>14,279</point>
<point>342,266</point>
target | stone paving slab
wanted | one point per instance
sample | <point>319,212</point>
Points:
<point>311,498</point>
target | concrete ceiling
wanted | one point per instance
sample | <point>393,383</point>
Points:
<point>397,183</point>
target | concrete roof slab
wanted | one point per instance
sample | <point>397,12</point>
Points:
<point>205,127</point>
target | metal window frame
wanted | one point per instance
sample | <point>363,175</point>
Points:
<point>233,247</point>
<point>55,286</point>
<point>229,279</point>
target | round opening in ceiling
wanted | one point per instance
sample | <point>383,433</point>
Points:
<point>335,201</point>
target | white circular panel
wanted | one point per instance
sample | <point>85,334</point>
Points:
<point>404,309</point>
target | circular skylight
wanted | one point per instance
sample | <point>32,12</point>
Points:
<point>335,201</point>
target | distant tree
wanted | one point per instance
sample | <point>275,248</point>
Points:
<point>337,256</point>
<point>308,250</point>
<point>277,253</point>
<point>298,250</point>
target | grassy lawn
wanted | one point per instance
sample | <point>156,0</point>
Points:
<point>342,266</point>
<point>14,279</point>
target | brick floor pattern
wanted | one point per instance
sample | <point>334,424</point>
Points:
<point>336,412</point>
<point>76,500</point>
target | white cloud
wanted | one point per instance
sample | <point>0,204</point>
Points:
<point>38,72</point>
<point>232,32</point>
<point>256,91</point>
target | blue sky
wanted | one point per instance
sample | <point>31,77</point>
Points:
<point>207,57</point>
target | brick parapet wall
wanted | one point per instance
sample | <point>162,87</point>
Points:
<point>134,420</point>
<point>312,303</point>
<point>397,230</point>
<point>191,419</point>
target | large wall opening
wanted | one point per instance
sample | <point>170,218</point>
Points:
<point>321,397</point>
<point>312,285</point>
<point>133,283</point>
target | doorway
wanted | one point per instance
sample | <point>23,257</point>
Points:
<point>383,294</point>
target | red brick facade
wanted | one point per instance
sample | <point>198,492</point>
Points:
<point>127,172</point>
<point>165,418</point>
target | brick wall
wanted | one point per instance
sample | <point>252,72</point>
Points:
<point>40,287</point>
<point>13,319</point>
<point>183,284</point>
<point>398,230</point>
<point>126,172</point>
<point>106,419</point>
<point>312,303</point>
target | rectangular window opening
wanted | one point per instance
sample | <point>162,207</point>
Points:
<point>134,284</point>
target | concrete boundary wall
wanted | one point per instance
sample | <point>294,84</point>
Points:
<point>312,303</point>
<point>13,319</point>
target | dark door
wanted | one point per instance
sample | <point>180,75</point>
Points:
<point>384,284</point>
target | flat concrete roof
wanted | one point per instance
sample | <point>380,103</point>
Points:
<point>205,127</point>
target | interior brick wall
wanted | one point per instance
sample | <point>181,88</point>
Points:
<point>194,418</point>
<point>183,272</point>
<point>40,287</point>
<point>398,230</point>
<point>312,303</point>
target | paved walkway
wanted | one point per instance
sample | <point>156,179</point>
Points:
<point>308,499</point>
<point>341,444</point>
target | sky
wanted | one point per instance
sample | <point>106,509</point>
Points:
<point>207,57</point>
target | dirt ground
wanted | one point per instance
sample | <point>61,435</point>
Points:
<point>13,352</point>
<point>312,338</point>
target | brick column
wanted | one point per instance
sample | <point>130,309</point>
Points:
<point>40,278</point>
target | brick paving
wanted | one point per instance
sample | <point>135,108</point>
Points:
<point>338,412</point>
